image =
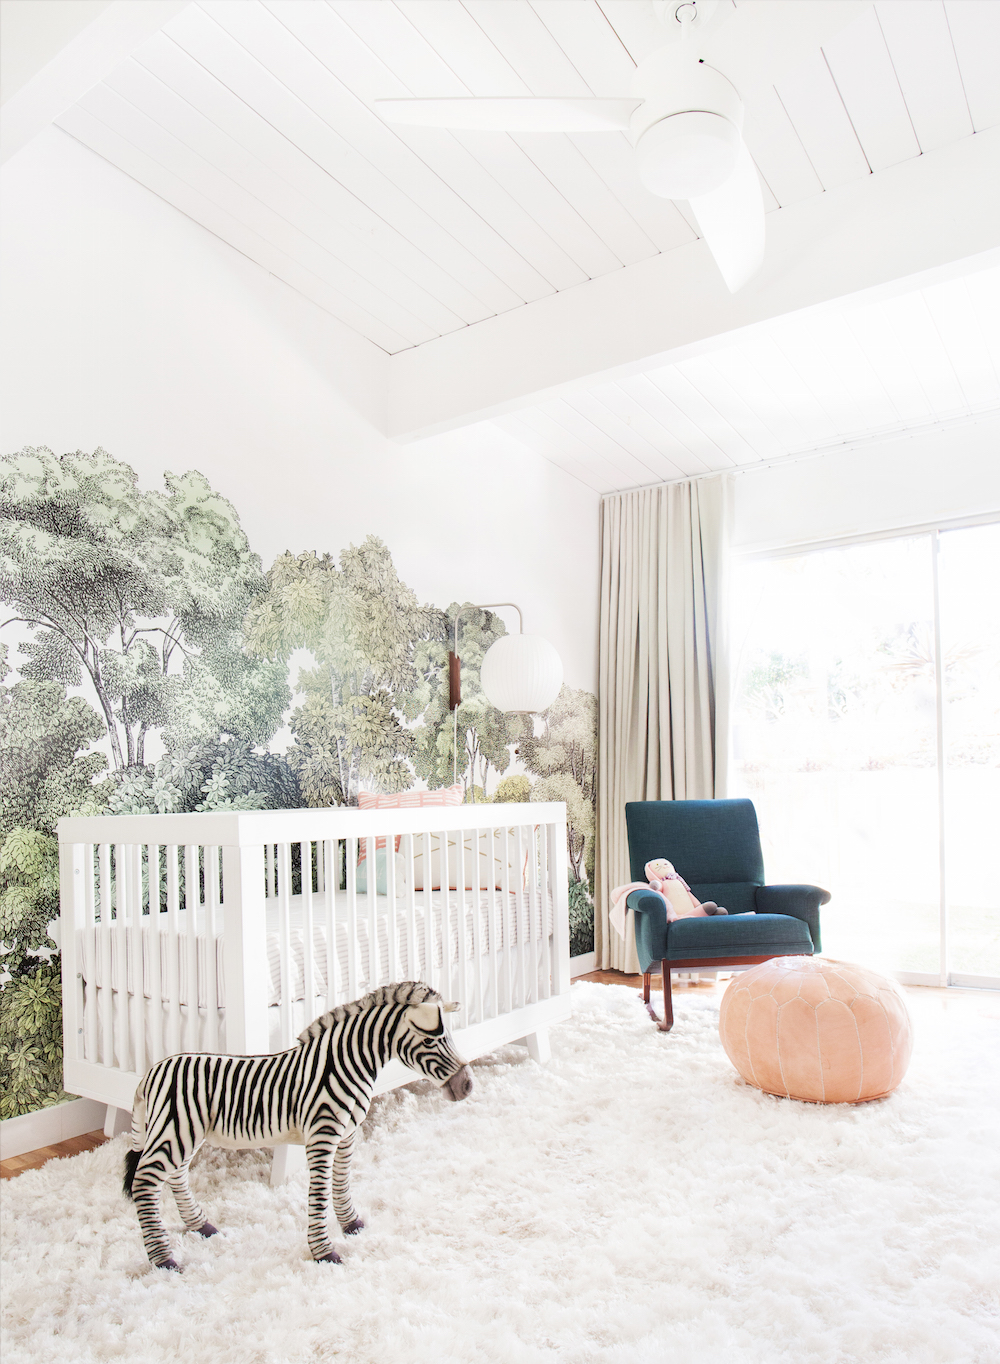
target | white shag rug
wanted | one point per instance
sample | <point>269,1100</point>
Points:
<point>633,1201</point>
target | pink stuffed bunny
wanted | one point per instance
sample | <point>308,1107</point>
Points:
<point>662,878</point>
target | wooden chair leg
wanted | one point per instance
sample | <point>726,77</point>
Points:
<point>668,1000</point>
<point>667,1022</point>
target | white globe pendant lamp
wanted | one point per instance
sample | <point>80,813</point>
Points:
<point>521,674</point>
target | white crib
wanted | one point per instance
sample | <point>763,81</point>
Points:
<point>230,931</point>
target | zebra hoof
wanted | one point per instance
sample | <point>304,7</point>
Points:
<point>332,1259</point>
<point>169,1264</point>
<point>354,1227</point>
<point>206,1229</point>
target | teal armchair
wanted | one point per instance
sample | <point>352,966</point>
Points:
<point>715,846</point>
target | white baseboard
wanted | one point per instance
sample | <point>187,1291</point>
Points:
<point>580,966</point>
<point>46,1126</point>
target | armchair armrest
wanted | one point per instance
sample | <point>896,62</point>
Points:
<point>800,902</point>
<point>650,910</point>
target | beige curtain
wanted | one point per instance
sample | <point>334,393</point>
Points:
<point>663,688</point>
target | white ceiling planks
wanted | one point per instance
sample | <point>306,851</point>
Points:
<point>860,64</point>
<point>797,384</point>
<point>256,118</point>
<point>975,32</point>
<point>923,59</point>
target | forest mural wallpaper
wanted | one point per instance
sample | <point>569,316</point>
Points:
<point>149,663</point>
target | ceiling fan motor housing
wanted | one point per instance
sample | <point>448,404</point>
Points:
<point>687,130</point>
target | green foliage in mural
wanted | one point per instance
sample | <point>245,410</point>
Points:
<point>120,585</point>
<point>153,605</point>
<point>514,790</point>
<point>44,774</point>
<point>363,627</point>
<point>224,775</point>
<point>485,735</point>
<point>564,756</point>
<point>30,993</point>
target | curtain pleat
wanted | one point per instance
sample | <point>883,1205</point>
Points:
<point>663,684</point>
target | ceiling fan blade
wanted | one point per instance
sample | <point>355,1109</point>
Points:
<point>731,220</point>
<point>513,114</point>
<point>765,38</point>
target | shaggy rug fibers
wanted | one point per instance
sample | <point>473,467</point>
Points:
<point>633,1201</point>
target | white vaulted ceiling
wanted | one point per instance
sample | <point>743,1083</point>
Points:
<point>255,118</point>
<point>809,382</point>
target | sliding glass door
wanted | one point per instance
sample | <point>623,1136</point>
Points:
<point>867,731</point>
<point>969,575</point>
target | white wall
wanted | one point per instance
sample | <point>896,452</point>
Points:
<point>946,472</point>
<point>129,326</point>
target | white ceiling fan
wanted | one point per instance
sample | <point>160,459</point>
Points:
<point>684,113</point>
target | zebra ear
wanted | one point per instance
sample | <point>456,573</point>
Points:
<point>452,1008</point>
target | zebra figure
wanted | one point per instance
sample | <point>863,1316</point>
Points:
<point>317,1093</point>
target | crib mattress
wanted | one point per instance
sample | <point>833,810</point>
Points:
<point>416,957</point>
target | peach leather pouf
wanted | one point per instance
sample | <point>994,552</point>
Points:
<point>824,1031</point>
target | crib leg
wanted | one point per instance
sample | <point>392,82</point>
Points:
<point>538,1045</point>
<point>287,1161</point>
<point>117,1120</point>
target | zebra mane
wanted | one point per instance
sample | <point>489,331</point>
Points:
<point>408,992</point>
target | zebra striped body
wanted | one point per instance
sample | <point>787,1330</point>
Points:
<point>316,1093</point>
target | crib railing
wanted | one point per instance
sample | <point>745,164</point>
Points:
<point>191,932</point>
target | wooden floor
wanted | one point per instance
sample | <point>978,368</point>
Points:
<point>16,1165</point>
<point>982,1003</point>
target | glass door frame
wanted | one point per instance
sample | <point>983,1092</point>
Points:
<point>933,530</point>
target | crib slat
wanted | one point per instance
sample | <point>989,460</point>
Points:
<point>192,904</point>
<point>504,946</point>
<point>308,937</point>
<point>134,926</point>
<point>447,975</point>
<point>461,909</point>
<point>212,930</point>
<point>173,1029</point>
<point>427,967</point>
<point>283,862</point>
<point>329,882</point>
<point>413,967</point>
<point>545,899</point>
<point>392,947</point>
<point>351,864</point>
<point>91,939</point>
<point>492,1006</point>
<point>120,955</point>
<point>476,901</point>
<point>520,992</point>
<point>154,941</point>
<point>531,934</point>
<point>374,954</point>
<point>103,946</point>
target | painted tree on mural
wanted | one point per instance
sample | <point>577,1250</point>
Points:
<point>564,756</point>
<point>139,595</point>
<point>154,607</point>
<point>485,735</point>
<point>45,773</point>
<point>363,627</point>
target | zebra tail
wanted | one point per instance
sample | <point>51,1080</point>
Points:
<point>133,1156</point>
<point>132,1159</point>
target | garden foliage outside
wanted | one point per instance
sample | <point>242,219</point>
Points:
<point>154,670</point>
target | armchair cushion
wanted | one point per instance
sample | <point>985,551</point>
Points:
<point>714,939</point>
<point>756,935</point>
<point>801,902</point>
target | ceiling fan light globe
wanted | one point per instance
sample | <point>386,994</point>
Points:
<point>688,154</point>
